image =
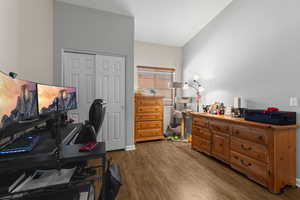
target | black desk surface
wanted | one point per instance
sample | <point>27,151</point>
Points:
<point>68,154</point>
<point>71,153</point>
<point>42,154</point>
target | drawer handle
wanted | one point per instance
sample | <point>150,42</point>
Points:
<point>260,137</point>
<point>237,132</point>
<point>247,149</point>
<point>245,164</point>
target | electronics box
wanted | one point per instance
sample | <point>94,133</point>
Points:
<point>271,117</point>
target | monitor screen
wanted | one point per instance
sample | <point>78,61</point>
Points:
<point>18,100</point>
<point>53,98</point>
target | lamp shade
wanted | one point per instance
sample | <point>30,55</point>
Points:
<point>186,86</point>
<point>201,89</point>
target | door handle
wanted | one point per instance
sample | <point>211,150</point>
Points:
<point>247,149</point>
<point>245,164</point>
<point>260,137</point>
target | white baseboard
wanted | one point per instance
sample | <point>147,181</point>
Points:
<point>298,182</point>
<point>130,148</point>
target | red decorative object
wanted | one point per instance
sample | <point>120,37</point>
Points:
<point>271,109</point>
<point>88,147</point>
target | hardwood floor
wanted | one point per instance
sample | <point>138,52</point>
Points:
<point>167,170</point>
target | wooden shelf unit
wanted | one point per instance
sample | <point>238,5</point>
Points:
<point>265,153</point>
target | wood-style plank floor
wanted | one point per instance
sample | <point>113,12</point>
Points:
<point>167,170</point>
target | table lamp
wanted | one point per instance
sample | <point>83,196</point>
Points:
<point>196,85</point>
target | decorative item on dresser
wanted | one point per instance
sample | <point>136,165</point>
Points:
<point>265,153</point>
<point>148,118</point>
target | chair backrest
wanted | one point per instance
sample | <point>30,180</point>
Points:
<point>97,114</point>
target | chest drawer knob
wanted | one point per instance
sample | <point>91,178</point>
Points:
<point>245,148</point>
<point>260,137</point>
<point>245,164</point>
<point>237,132</point>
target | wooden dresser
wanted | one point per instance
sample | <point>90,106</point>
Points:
<point>263,152</point>
<point>148,118</point>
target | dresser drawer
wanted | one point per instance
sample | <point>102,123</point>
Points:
<point>148,117</point>
<point>220,127</point>
<point>252,168</point>
<point>201,144</point>
<point>200,122</point>
<point>221,146</point>
<point>149,102</point>
<point>257,135</point>
<point>148,125</point>
<point>149,132</point>
<point>256,151</point>
<point>148,109</point>
<point>201,132</point>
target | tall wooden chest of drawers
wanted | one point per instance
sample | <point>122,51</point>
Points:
<point>148,118</point>
<point>265,153</point>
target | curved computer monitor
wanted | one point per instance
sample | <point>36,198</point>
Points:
<point>54,98</point>
<point>18,101</point>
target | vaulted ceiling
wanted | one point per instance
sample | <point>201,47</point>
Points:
<point>168,22</point>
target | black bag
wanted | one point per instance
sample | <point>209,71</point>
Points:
<point>112,183</point>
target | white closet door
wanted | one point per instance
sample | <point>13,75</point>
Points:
<point>110,86</point>
<point>79,72</point>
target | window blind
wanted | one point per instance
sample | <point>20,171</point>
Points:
<point>159,79</point>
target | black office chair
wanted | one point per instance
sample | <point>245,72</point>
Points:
<point>92,127</point>
<point>97,114</point>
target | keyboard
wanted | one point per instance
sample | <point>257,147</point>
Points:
<point>22,144</point>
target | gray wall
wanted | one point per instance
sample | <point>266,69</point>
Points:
<point>86,29</point>
<point>252,49</point>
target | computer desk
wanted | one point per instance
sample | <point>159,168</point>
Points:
<point>44,152</point>
<point>45,156</point>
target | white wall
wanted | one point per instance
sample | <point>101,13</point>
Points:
<point>26,39</point>
<point>252,49</point>
<point>9,40</point>
<point>148,54</point>
<point>36,40</point>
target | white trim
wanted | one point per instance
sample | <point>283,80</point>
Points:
<point>94,52</point>
<point>298,182</point>
<point>130,148</point>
